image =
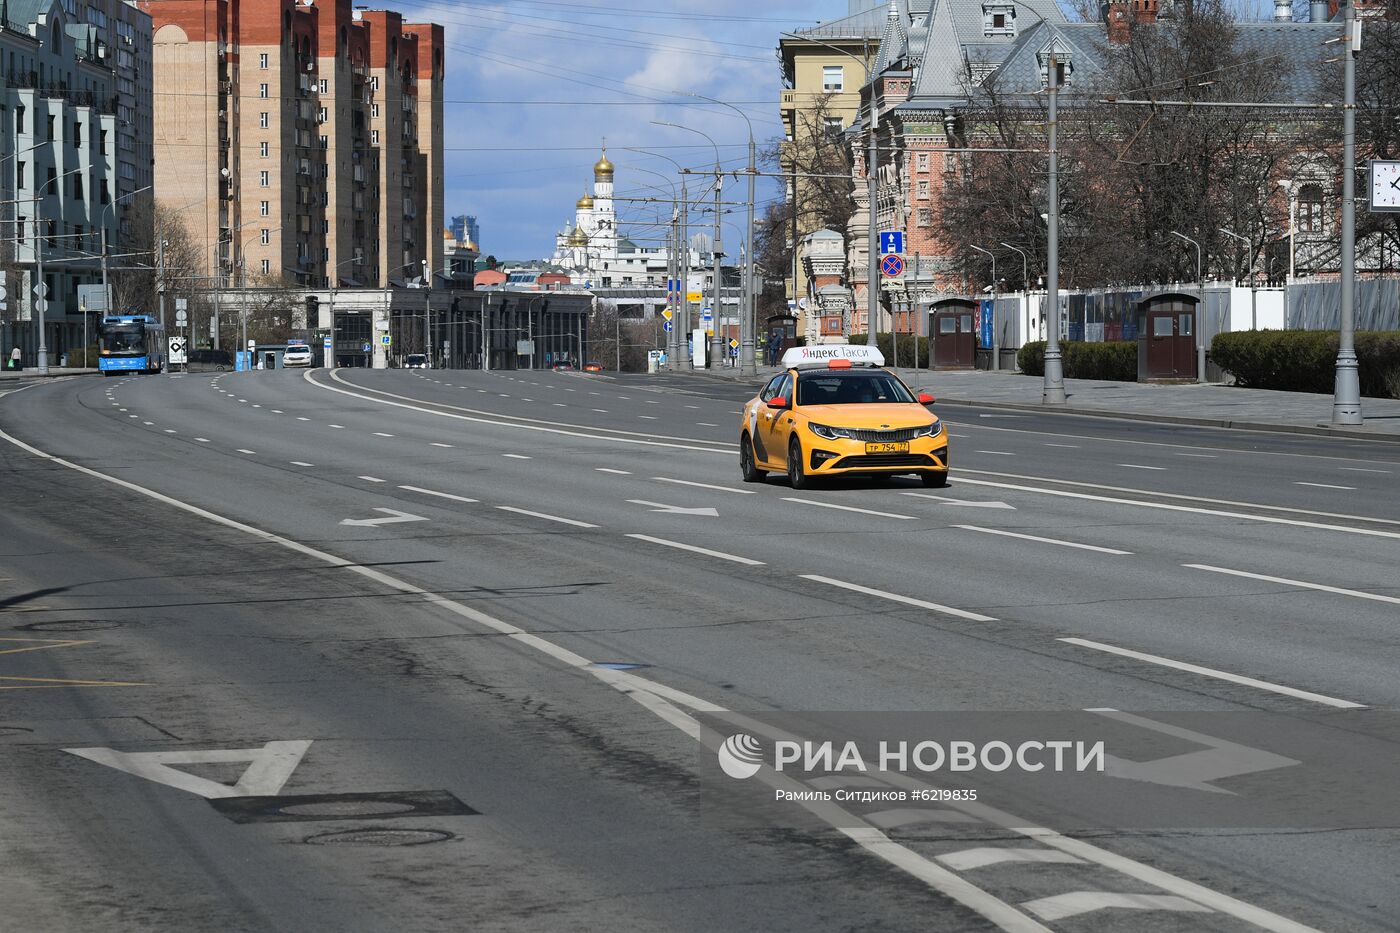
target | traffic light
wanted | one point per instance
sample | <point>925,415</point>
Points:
<point>313,311</point>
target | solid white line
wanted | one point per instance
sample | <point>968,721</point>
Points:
<point>897,598</point>
<point>618,472</point>
<point>848,508</point>
<point>695,549</point>
<point>1359,594</point>
<point>371,479</point>
<point>517,456</point>
<point>440,495</point>
<point>1013,534</point>
<point>1211,672</point>
<point>301,463</point>
<point>1170,507</point>
<point>1139,466</point>
<point>686,482</point>
<point>1326,486</point>
<point>547,517</point>
<point>436,444</point>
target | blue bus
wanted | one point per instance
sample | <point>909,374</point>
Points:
<point>131,343</point>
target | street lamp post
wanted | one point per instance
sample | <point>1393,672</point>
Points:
<point>1346,400</point>
<point>1200,309</point>
<point>992,256</point>
<point>1053,391</point>
<point>716,248</point>
<point>43,349</point>
<point>1253,289</point>
<point>106,289</point>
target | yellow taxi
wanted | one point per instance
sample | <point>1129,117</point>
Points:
<point>835,409</point>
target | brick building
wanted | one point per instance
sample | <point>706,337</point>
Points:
<point>303,142</point>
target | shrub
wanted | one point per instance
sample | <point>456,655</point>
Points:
<point>1305,360</point>
<point>1116,360</point>
<point>907,345</point>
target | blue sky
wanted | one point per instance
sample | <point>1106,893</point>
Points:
<point>534,86</point>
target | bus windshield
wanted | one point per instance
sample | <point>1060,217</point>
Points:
<point>123,340</point>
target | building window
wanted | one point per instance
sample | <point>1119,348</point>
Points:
<point>832,126</point>
<point>374,111</point>
<point>262,91</point>
<point>19,119</point>
<point>374,137</point>
<point>925,217</point>
<point>77,136</point>
<point>266,266</point>
<point>923,189</point>
<point>922,161</point>
<point>263,149</point>
<point>104,196</point>
<point>265,236</point>
<point>102,142</point>
<point>51,127</point>
<point>324,86</point>
<point>21,225</point>
<point>77,187</point>
<point>325,142</point>
<point>833,79</point>
<point>1310,209</point>
<point>264,208</point>
<point>263,120</point>
<point>264,181</point>
<point>19,175</point>
<point>262,61</point>
<point>321,115</point>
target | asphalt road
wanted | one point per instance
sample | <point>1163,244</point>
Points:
<point>429,590</point>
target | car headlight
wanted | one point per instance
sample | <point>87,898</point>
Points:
<point>831,434</point>
<point>930,430</point>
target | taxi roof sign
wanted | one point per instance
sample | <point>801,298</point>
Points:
<point>852,354</point>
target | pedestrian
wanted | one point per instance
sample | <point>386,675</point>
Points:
<point>14,359</point>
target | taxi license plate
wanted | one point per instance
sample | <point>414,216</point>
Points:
<point>888,447</point>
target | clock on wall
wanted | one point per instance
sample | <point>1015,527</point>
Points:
<point>1385,186</point>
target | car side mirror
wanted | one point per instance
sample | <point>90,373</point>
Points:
<point>777,401</point>
<point>926,399</point>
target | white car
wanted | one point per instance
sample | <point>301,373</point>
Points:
<point>416,361</point>
<point>297,355</point>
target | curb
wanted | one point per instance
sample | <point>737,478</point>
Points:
<point>1320,430</point>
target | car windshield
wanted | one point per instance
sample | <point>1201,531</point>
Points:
<point>122,339</point>
<point>846,387</point>
<point>414,360</point>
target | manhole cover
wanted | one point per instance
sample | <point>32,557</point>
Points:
<point>70,625</point>
<point>338,808</point>
<point>379,837</point>
<point>374,805</point>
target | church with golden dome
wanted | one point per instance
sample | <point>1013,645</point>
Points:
<point>592,239</point>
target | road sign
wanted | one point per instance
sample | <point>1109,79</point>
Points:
<point>41,290</point>
<point>667,313</point>
<point>182,304</point>
<point>365,348</point>
<point>41,305</point>
<point>892,266</point>
<point>385,339</point>
<point>326,344</point>
<point>667,326</point>
<point>694,296</point>
<point>733,344</point>
<point>891,241</point>
<point>180,317</point>
<point>177,350</point>
<point>2,298</point>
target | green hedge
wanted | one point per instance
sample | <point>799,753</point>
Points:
<point>907,343</point>
<point>1115,360</point>
<point>1305,360</point>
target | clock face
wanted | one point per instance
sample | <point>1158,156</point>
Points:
<point>1385,186</point>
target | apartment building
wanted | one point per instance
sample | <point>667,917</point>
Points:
<point>302,141</point>
<point>75,107</point>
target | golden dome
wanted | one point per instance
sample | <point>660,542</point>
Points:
<point>578,237</point>
<point>585,203</point>
<point>603,169</point>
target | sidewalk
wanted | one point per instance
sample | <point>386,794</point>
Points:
<point>32,372</point>
<point>1212,405</point>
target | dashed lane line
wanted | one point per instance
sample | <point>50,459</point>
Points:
<point>434,492</point>
<point>1303,584</point>
<point>1037,538</point>
<point>546,516</point>
<point>898,598</point>
<point>696,549</point>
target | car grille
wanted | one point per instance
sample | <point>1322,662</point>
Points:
<point>898,434</point>
<point>884,460</point>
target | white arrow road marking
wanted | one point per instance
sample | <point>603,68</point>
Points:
<point>982,856</point>
<point>1082,902</point>
<point>675,509</point>
<point>393,517</point>
<point>268,769</point>
<point>966,503</point>
<point>894,819</point>
<point>1196,769</point>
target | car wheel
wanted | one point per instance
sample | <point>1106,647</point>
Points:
<point>221,368</point>
<point>797,476</point>
<point>747,466</point>
<point>934,480</point>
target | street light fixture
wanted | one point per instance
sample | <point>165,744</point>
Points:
<point>1200,309</point>
<point>678,348</point>
<point>1253,290</point>
<point>996,351</point>
<point>43,349</point>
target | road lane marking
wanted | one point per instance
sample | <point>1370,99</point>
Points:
<point>202,440</point>
<point>1213,673</point>
<point>371,479</point>
<point>706,511</point>
<point>1025,537</point>
<point>649,417</point>
<point>277,411</point>
<point>609,470</point>
<point>686,482</point>
<point>301,463</point>
<point>1322,587</point>
<point>1139,466</point>
<point>340,426</point>
<point>601,411</point>
<point>696,549</point>
<point>382,434</point>
<point>438,444</point>
<point>849,508</point>
<point>1315,485</point>
<point>244,450</point>
<point>1198,456</point>
<point>982,856</point>
<point>269,768</point>
<point>171,431</point>
<point>1075,903</point>
<point>998,453</point>
<point>962,503</point>
<point>1171,507</point>
<point>517,457</point>
<point>897,598</point>
<point>1362,470</point>
<point>440,495</point>
<point>706,424</point>
<point>391,517</point>
<point>546,517</point>
<point>257,406</point>
<point>148,422</point>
